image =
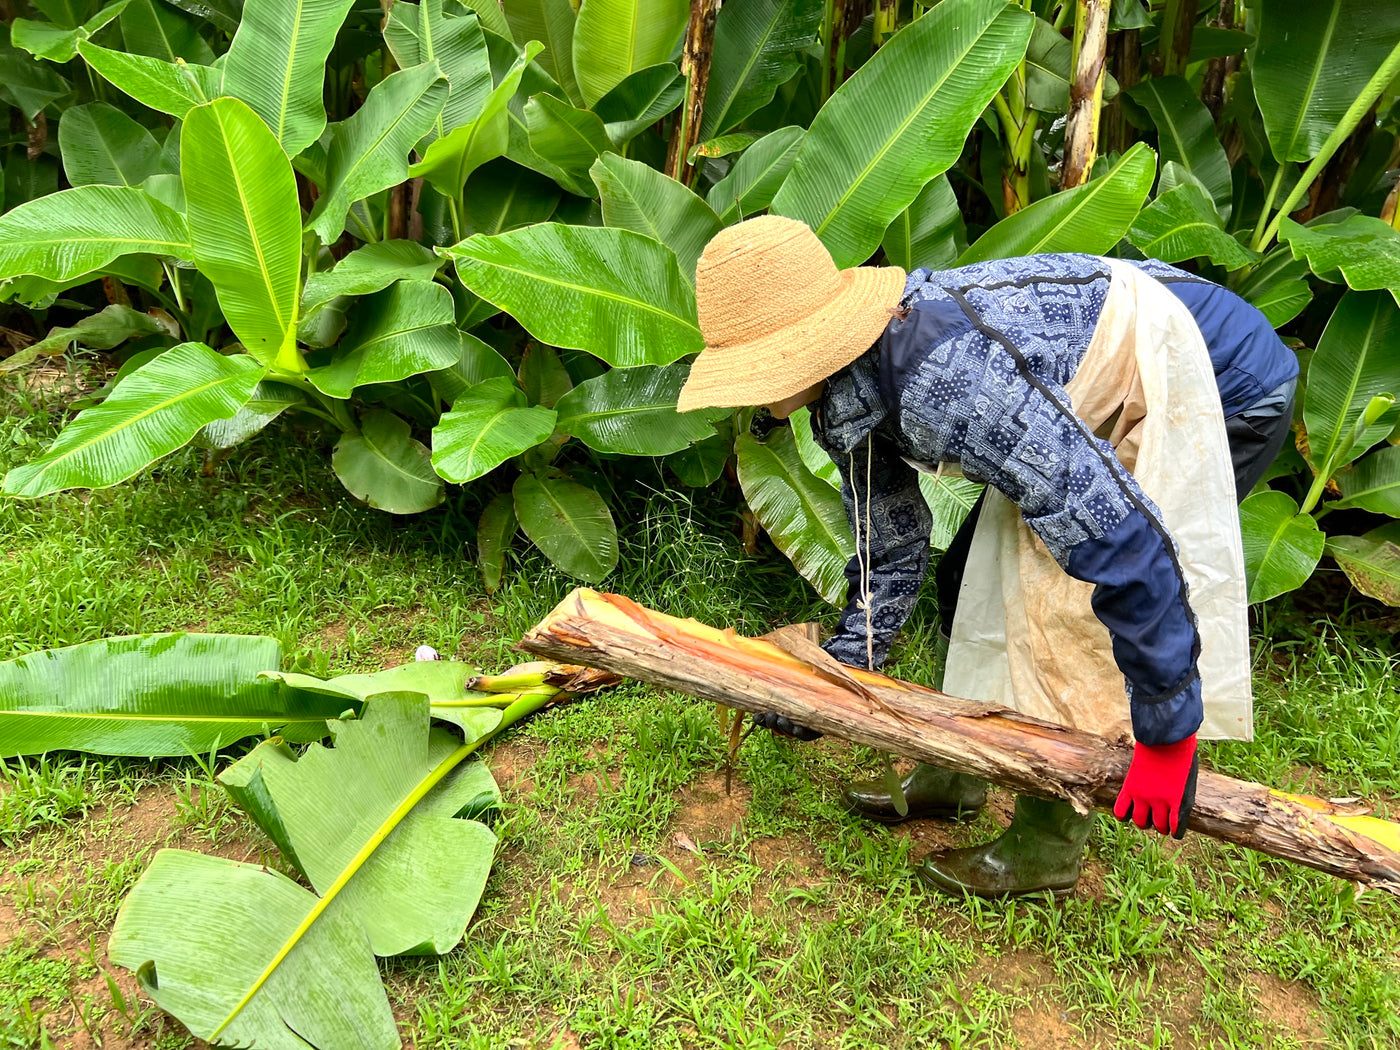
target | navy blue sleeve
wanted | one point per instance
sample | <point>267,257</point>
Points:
<point>1015,431</point>
<point>887,511</point>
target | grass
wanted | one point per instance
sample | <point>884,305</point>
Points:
<point>795,925</point>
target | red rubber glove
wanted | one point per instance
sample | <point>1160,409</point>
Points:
<point>1160,786</point>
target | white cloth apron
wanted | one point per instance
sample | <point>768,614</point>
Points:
<point>1024,634</point>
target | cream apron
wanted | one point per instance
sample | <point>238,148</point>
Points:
<point>1024,634</point>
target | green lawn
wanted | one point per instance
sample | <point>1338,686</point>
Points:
<point>634,902</point>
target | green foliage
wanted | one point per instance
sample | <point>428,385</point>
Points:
<point>212,162</point>
<point>149,695</point>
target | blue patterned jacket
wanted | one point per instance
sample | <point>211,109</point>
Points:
<point>975,374</point>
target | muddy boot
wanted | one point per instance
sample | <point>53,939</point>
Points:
<point>931,791</point>
<point>1041,850</point>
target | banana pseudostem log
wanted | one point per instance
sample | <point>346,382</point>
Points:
<point>788,673</point>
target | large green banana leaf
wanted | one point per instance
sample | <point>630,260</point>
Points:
<point>102,146</point>
<point>640,101</point>
<point>448,162</point>
<point>369,151</point>
<point>420,33</point>
<point>930,232</point>
<point>755,177</point>
<point>494,532</point>
<point>277,65</point>
<point>150,695</point>
<point>1186,135</point>
<point>150,27</point>
<point>1310,63</point>
<point>901,119</point>
<point>489,423</point>
<point>1091,218</point>
<point>543,376</point>
<point>373,826</point>
<point>270,399</point>
<point>73,232</point>
<point>1364,249</point>
<point>637,197</point>
<point>151,413</point>
<point>551,22</point>
<point>161,85</point>
<point>1372,483</point>
<point>950,500</point>
<point>476,362</point>
<point>615,38</point>
<point>801,513</point>
<point>386,466</point>
<point>1355,361</point>
<point>502,196</point>
<point>614,293</point>
<point>754,51</point>
<point>569,522</point>
<point>370,268</point>
<point>399,332</point>
<point>1183,224</point>
<point>1281,546</point>
<point>632,411</point>
<point>814,457</point>
<point>59,43</point>
<point>245,226</point>
<point>571,139</point>
<point>1277,287</point>
<point>1372,565</point>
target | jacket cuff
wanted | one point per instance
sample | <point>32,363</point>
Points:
<point>1169,718</point>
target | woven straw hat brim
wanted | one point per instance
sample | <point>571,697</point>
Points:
<point>798,355</point>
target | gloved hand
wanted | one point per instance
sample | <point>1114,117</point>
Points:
<point>779,724</point>
<point>1160,786</point>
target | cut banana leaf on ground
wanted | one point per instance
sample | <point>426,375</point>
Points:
<point>154,694</point>
<point>372,823</point>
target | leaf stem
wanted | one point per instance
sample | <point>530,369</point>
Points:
<point>1268,205</point>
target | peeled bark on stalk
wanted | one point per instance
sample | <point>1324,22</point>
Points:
<point>1085,92</point>
<point>695,64</point>
<point>1174,47</point>
<point>1389,211</point>
<point>788,673</point>
<point>886,19</point>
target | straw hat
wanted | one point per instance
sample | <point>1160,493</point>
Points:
<point>777,316</point>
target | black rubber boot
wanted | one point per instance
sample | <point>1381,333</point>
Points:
<point>931,791</point>
<point>1042,849</point>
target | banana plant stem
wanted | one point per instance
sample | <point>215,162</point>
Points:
<point>1355,113</point>
<point>1268,204</point>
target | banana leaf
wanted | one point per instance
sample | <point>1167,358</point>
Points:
<point>73,232</point>
<point>930,232</point>
<point>755,48</point>
<point>245,226</point>
<point>494,532</point>
<point>551,22</point>
<point>1372,483</point>
<point>386,466</point>
<point>372,824</point>
<point>369,151</point>
<point>1277,287</point>
<point>150,27</point>
<point>1183,224</point>
<point>632,411</point>
<point>1186,135</point>
<point>1090,218</point>
<point>102,146</point>
<point>489,423</point>
<point>399,332</point>
<point>154,411</point>
<point>421,33</point>
<point>154,694</point>
<point>569,522</point>
<point>637,197</point>
<point>1364,249</point>
<point>1281,546</point>
<point>756,176</point>
<point>161,85</point>
<point>1371,563</point>
<point>1311,61</point>
<point>640,101</point>
<point>614,293</point>
<point>614,38</point>
<point>370,268</point>
<point>277,65</point>
<point>1355,361</point>
<point>901,119</point>
<point>801,513</point>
